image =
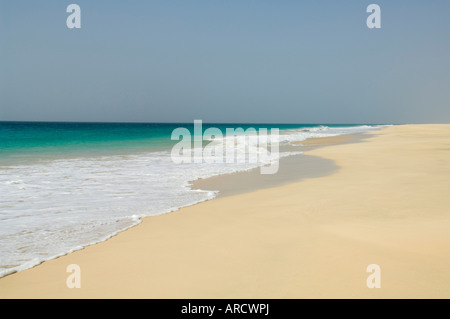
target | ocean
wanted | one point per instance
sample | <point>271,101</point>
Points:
<point>64,186</point>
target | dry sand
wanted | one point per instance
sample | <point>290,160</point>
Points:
<point>388,204</point>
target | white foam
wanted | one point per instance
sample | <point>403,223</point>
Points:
<point>54,207</point>
<point>298,135</point>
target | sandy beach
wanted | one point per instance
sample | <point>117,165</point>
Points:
<point>386,203</point>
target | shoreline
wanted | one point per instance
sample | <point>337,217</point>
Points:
<point>292,168</point>
<point>321,167</point>
<point>251,245</point>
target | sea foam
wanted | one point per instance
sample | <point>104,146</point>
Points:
<point>50,207</point>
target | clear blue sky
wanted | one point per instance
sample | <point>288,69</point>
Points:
<point>225,61</point>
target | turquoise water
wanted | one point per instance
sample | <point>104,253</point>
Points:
<point>67,185</point>
<point>21,139</point>
<point>24,138</point>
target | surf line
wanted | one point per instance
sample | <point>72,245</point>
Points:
<point>259,146</point>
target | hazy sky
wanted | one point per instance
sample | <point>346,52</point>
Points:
<point>225,61</point>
